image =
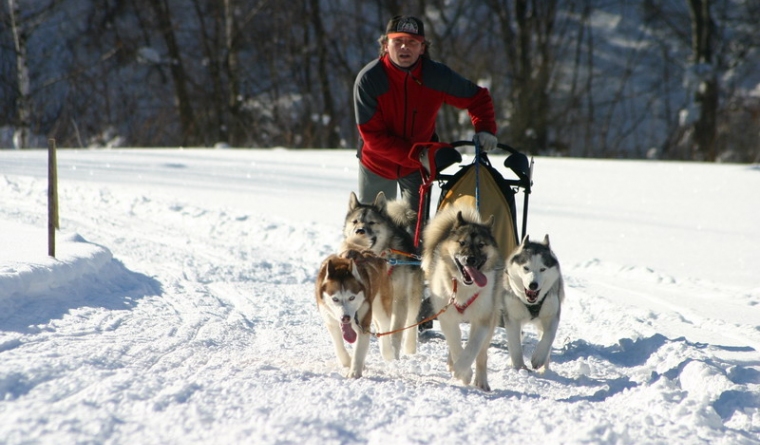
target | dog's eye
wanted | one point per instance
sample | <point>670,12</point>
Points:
<point>481,245</point>
<point>526,268</point>
<point>543,269</point>
<point>335,299</point>
<point>463,243</point>
<point>352,298</point>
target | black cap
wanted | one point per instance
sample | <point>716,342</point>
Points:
<point>405,25</point>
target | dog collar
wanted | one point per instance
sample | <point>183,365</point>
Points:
<point>461,307</point>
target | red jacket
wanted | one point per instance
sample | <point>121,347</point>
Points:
<point>395,108</point>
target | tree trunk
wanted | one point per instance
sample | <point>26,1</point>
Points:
<point>231,68</point>
<point>706,94</point>
<point>21,134</point>
<point>530,64</point>
<point>186,116</point>
<point>331,138</point>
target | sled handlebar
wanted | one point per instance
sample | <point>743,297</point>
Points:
<point>444,155</point>
<point>504,147</point>
<point>517,162</point>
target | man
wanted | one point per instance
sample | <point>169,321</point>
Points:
<point>396,100</point>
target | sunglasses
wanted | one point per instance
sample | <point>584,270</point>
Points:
<point>409,43</point>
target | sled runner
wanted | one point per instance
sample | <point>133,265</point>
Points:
<point>477,184</point>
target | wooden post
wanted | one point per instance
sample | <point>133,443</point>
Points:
<point>52,197</point>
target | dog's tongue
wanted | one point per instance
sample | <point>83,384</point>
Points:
<point>476,275</point>
<point>349,334</point>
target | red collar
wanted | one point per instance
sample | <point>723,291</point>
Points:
<point>461,307</point>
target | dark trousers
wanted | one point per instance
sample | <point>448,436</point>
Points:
<point>371,184</point>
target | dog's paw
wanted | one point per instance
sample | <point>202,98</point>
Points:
<point>463,374</point>
<point>410,342</point>
<point>540,368</point>
<point>539,365</point>
<point>388,354</point>
<point>522,369</point>
<point>482,385</point>
<point>354,373</point>
<point>410,350</point>
<point>389,357</point>
<point>519,365</point>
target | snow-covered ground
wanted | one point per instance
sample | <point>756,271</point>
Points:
<point>180,308</point>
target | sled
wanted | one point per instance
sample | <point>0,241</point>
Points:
<point>480,185</point>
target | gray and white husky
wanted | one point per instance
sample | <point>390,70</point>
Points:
<point>462,264</point>
<point>384,227</point>
<point>534,291</point>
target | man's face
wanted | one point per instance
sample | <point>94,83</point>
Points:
<point>404,51</point>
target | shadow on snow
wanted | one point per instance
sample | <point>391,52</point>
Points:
<point>113,287</point>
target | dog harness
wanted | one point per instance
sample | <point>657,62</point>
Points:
<point>461,307</point>
<point>393,262</point>
<point>534,309</point>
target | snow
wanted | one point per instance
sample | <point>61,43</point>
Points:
<point>180,308</point>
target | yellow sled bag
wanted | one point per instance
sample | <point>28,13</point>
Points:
<point>495,196</point>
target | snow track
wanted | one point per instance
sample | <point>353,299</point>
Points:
<point>173,321</point>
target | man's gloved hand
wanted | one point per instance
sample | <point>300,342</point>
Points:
<point>486,140</point>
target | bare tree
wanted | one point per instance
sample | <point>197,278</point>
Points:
<point>235,25</point>
<point>587,77</point>
<point>527,29</point>
<point>706,91</point>
<point>330,137</point>
<point>23,95</point>
<point>179,76</point>
<point>715,44</point>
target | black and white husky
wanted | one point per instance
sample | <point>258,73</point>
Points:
<point>534,291</point>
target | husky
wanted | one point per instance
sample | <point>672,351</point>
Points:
<point>534,291</point>
<point>384,227</point>
<point>463,267</point>
<point>353,291</point>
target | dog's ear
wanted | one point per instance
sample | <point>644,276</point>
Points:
<point>525,240</point>
<point>489,222</point>
<point>460,220</point>
<point>330,269</point>
<point>350,253</point>
<point>546,240</point>
<point>355,271</point>
<point>353,202</point>
<point>380,201</point>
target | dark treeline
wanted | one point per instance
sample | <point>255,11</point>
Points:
<point>669,79</point>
